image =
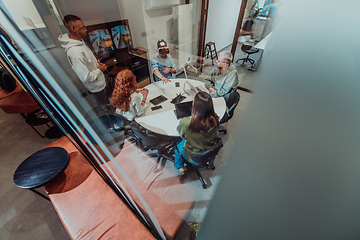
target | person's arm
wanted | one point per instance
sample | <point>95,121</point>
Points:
<point>173,66</point>
<point>137,103</point>
<point>231,81</point>
<point>83,73</point>
<point>209,80</point>
<point>155,68</point>
<point>145,93</point>
<point>181,128</point>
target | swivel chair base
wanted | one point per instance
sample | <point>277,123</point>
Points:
<point>190,168</point>
<point>248,50</point>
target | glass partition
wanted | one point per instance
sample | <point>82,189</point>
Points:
<point>69,67</point>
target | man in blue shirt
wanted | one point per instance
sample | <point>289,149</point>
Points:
<point>163,64</point>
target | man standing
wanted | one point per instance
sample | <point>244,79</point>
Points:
<point>88,69</point>
<point>163,65</point>
<point>224,78</point>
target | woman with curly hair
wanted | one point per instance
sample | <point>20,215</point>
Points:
<point>198,132</point>
<point>127,98</point>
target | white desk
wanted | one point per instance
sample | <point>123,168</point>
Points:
<point>262,44</point>
<point>246,40</point>
<point>164,121</point>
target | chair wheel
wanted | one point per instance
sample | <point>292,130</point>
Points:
<point>204,186</point>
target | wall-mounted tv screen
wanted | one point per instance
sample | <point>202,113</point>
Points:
<point>110,38</point>
<point>101,41</point>
<point>121,36</point>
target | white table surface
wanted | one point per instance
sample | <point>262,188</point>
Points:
<point>262,44</point>
<point>164,121</point>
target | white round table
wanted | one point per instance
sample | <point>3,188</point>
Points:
<point>163,121</point>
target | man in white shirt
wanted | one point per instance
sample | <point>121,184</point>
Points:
<point>88,69</point>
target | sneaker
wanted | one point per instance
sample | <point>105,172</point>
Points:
<point>181,170</point>
<point>111,130</point>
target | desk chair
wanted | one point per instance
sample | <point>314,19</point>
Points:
<point>150,141</point>
<point>205,159</point>
<point>231,103</point>
<point>247,49</point>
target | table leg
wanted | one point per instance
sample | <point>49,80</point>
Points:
<point>40,194</point>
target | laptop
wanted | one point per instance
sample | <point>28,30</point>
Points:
<point>183,109</point>
<point>194,89</point>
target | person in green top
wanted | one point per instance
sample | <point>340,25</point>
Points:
<point>198,132</point>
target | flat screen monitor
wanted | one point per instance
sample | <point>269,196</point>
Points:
<point>121,36</point>
<point>101,41</point>
<point>110,38</point>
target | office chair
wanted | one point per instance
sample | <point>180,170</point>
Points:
<point>147,140</point>
<point>205,159</point>
<point>231,103</point>
<point>248,50</point>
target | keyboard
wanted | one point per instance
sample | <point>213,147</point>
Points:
<point>177,99</point>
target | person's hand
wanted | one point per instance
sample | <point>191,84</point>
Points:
<point>165,80</point>
<point>166,70</point>
<point>211,89</point>
<point>145,93</point>
<point>102,66</point>
<point>143,89</point>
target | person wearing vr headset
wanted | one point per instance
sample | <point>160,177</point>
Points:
<point>163,64</point>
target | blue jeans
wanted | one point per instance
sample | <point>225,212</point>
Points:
<point>180,153</point>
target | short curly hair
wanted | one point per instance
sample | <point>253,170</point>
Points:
<point>125,85</point>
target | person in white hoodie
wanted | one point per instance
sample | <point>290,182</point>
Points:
<point>88,69</point>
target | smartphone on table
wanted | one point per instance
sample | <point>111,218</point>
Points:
<point>156,107</point>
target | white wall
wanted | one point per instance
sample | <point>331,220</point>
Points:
<point>96,11</point>
<point>133,11</point>
<point>20,9</point>
<point>156,24</point>
<point>221,22</point>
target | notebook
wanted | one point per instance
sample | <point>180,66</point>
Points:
<point>183,109</point>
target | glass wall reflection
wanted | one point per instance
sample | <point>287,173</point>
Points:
<point>91,67</point>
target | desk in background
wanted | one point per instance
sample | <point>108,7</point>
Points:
<point>262,44</point>
<point>164,121</point>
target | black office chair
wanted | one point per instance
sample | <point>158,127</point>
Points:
<point>248,50</point>
<point>231,102</point>
<point>205,159</point>
<point>147,140</point>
